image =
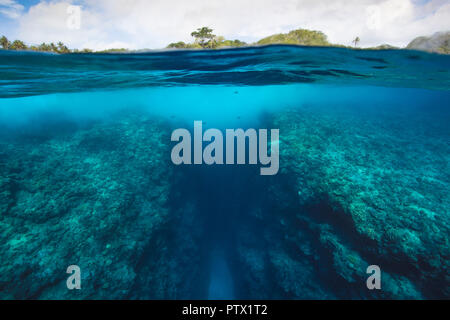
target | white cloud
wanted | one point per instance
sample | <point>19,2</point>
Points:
<point>155,23</point>
<point>11,8</point>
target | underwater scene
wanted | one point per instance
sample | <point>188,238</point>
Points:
<point>87,176</point>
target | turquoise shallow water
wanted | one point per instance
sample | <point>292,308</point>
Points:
<point>86,176</point>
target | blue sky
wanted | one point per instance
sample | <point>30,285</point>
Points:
<point>155,23</point>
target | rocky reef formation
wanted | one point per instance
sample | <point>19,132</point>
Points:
<point>355,189</point>
<point>438,42</point>
<point>98,198</point>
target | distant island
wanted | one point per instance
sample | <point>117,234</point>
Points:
<point>203,38</point>
<point>438,42</point>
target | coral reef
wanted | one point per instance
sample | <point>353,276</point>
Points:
<point>97,198</point>
<point>366,188</point>
<point>356,187</point>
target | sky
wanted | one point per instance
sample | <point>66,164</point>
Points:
<point>138,24</point>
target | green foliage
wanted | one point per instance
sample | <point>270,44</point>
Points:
<point>356,41</point>
<point>113,50</point>
<point>383,47</point>
<point>231,43</point>
<point>44,47</point>
<point>445,49</point>
<point>4,42</point>
<point>177,45</point>
<point>299,37</point>
<point>58,48</point>
<point>62,48</point>
<point>18,45</point>
<point>204,37</point>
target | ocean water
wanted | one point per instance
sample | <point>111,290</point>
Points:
<point>86,176</point>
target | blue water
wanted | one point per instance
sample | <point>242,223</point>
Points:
<point>374,127</point>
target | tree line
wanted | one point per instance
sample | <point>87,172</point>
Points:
<point>203,39</point>
<point>46,47</point>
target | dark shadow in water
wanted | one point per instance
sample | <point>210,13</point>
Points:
<point>223,196</point>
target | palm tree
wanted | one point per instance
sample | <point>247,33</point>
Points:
<point>4,42</point>
<point>18,45</point>
<point>356,41</point>
<point>62,48</point>
<point>53,47</point>
<point>44,47</point>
